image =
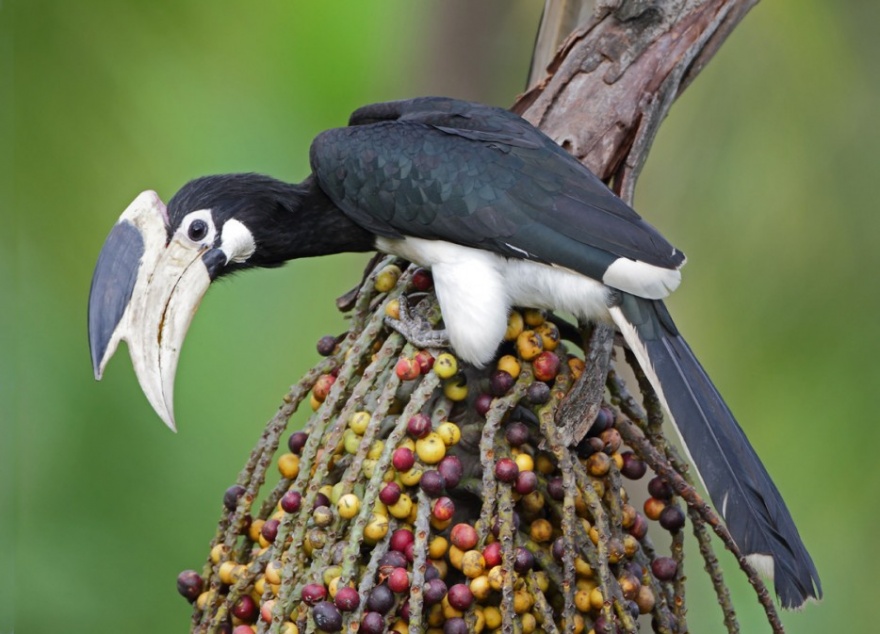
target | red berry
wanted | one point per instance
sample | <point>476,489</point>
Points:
<point>422,280</point>
<point>398,580</point>
<point>463,536</point>
<point>400,539</point>
<point>526,482</point>
<point>546,366</point>
<point>506,470</point>
<point>443,509</point>
<point>407,369</point>
<point>270,530</point>
<point>403,459</point>
<point>313,593</point>
<point>291,501</point>
<point>492,554</point>
<point>419,426</point>
<point>390,493</point>
<point>245,609</point>
<point>460,597</point>
<point>425,360</point>
<point>347,599</point>
<point>373,623</point>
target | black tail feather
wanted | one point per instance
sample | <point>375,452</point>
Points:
<point>731,471</point>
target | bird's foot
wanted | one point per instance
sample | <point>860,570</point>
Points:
<point>416,327</point>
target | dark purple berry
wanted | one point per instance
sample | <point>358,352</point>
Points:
<point>526,482</point>
<point>555,489</point>
<point>451,470</point>
<point>326,345</point>
<point>558,548</point>
<point>372,623</point>
<point>482,403</point>
<point>460,597</point>
<point>639,527</point>
<point>664,568</point>
<point>231,496</point>
<point>660,489</point>
<point>327,617</point>
<point>455,625</point>
<point>432,483</point>
<point>270,530</point>
<point>633,467</point>
<point>524,560</point>
<point>604,420</point>
<point>500,383</point>
<point>672,518</point>
<point>291,501</point>
<point>381,599</point>
<point>321,500</point>
<point>538,393</point>
<point>297,441</point>
<point>517,434</point>
<point>434,591</point>
<point>189,585</point>
<point>393,559</point>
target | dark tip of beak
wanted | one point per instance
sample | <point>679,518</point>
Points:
<point>214,261</point>
<point>112,285</point>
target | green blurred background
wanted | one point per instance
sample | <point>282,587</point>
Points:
<point>763,174</point>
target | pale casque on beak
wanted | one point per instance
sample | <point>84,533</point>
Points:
<point>145,290</point>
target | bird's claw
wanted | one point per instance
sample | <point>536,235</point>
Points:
<point>416,328</point>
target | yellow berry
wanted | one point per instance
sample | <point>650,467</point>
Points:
<point>473,564</point>
<point>529,344</point>
<point>376,450</point>
<point>510,364</point>
<point>496,577</point>
<point>515,325</point>
<point>525,462</point>
<point>445,365</point>
<point>402,508</point>
<point>541,530</point>
<point>273,572</point>
<point>455,389</point>
<point>376,528</point>
<point>288,465</point>
<point>218,553</point>
<point>254,530</point>
<point>351,441</point>
<point>392,309</point>
<point>492,616</point>
<point>348,506</point>
<point>480,587</point>
<point>450,433</point>
<point>576,366</point>
<point>431,449</point>
<point>534,316</point>
<point>437,547</point>
<point>359,422</point>
<point>549,333</point>
<point>387,278</point>
<point>412,477</point>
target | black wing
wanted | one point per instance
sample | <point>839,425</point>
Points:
<point>483,177</point>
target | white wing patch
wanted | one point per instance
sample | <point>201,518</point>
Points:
<point>641,279</point>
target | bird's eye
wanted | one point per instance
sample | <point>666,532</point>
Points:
<point>198,230</point>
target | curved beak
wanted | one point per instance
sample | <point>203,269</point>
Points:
<point>145,290</point>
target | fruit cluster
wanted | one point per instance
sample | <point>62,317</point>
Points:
<point>426,496</point>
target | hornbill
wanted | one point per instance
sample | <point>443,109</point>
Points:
<point>501,215</point>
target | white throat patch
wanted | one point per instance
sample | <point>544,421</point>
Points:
<point>237,242</point>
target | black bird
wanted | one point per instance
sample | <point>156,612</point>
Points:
<point>502,216</point>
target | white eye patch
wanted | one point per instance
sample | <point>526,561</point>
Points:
<point>236,241</point>
<point>198,228</point>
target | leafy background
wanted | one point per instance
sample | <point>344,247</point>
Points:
<point>764,174</point>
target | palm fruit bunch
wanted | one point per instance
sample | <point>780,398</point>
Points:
<point>425,496</point>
